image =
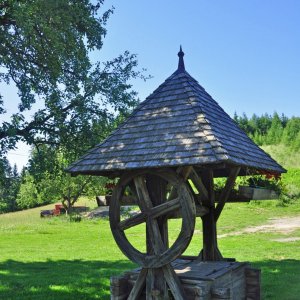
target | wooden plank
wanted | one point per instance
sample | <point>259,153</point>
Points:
<point>220,293</point>
<point>138,286</point>
<point>226,191</point>
<point>197,291</point>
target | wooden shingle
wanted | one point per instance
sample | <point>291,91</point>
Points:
<point>178,124</point>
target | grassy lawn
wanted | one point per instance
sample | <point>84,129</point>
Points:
<point>58,259</point>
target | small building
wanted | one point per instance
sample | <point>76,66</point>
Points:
<point>167,154</point>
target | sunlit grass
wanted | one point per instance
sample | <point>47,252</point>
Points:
<point>284,155</point>
<point>57,259</point>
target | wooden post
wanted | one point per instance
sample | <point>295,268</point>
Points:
<point>210,247</point>
<point>156,287</point>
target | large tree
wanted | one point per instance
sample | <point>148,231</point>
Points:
<point>44,52</point>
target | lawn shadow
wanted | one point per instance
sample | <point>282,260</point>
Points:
<point>62,279</point>
<point>280,279</point>
<point>79,279</point>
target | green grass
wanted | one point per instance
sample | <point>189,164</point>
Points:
<point>58,259</point>
<point>284,155</point>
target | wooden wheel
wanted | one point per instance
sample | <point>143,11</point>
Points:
<point>179,198</point>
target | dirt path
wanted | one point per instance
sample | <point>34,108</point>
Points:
<point>281,225</point>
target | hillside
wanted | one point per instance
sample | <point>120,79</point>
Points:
<point>287,157</point>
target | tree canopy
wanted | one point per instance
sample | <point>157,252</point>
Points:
<point>44,52</point>
<point>271,129</point>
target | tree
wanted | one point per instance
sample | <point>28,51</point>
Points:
<point>291,131</point>
<point>47,182</point>
<point>274,134</point>
<point>28,196</point>
<point>44,51</point>
<point>9,186</point>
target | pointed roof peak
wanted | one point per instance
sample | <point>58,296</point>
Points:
<point>181,67</point>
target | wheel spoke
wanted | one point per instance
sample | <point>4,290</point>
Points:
<point>146,206</point>
<point>154,214</point>
<point>172,194</point>
<point>165,208</point>
<point>132,221</point>
<point>144,200</point>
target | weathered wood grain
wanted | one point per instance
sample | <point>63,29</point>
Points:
<point>174,283</point>
<point>210,252</point>
<point>253,283</point>
<point>156,286</point>
<point>197,181</point>
<point>204,280</point>
<point>139,285</point>
<point>226,191</point>
<point>119,287</point>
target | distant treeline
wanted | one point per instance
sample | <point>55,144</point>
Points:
<point>271,129</point>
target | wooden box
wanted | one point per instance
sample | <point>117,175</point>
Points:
<point>252,193</point>
<point>202,281</point>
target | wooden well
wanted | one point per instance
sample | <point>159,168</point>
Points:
<point>166,157</point>
<point>164,272</point>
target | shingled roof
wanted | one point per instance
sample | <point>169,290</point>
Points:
<point>179,124</point>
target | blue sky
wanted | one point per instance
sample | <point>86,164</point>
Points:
<point>246,54</point>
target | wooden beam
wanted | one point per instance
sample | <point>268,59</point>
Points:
<point>226,191</point>
<point>197,181</point>
<point>200,212</point>
<point>139,285</point>
<point>174,283</point>
<point>184,172</point>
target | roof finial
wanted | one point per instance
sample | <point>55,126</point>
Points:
<point>181,67</point>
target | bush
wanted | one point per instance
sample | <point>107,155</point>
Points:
<point>28,196</point>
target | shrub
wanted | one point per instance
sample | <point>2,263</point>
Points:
<point>28,196</point>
